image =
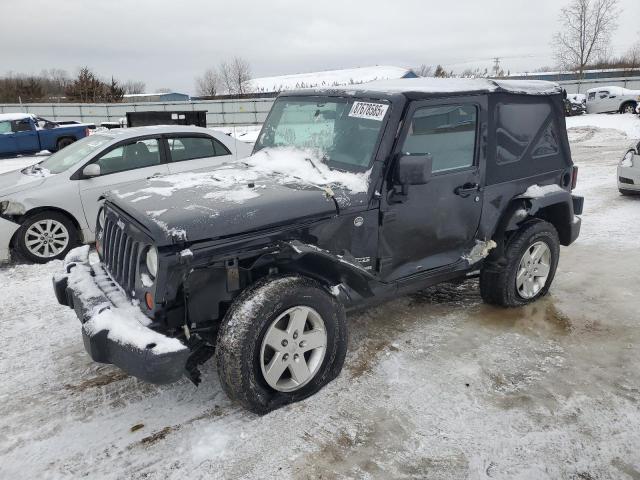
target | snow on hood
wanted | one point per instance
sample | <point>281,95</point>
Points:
<point>283,165</point>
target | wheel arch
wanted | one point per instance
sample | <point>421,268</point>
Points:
<point>41,209</point>
<point>555,208</point>
<point>627,102</point>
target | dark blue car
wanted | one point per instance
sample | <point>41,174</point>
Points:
<point>24,133</point>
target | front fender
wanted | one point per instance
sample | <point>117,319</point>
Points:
<point>325,266</point>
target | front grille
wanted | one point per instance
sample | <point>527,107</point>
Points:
<point>120,255</point>
<point>628,181</point>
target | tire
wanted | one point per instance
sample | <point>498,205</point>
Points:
<point>64,142</point>
<point>498,279</point>
<point>57,226</point>
<point>243,346</point>
<point>629,107</point>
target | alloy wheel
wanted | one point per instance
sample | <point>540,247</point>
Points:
<point>533,270</point>
<point>293,349</point>
<point>46,238</point>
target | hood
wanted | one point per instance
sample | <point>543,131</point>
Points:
<point>209,213</point>
<point>17,181</point>
<point>237,198</point>
<point>265,190</point>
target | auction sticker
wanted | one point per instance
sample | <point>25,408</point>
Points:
<point>371,111</point>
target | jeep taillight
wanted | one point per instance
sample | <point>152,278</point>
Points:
<point>574,177</point>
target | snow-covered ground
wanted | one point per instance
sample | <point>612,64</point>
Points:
<point>436,385</point>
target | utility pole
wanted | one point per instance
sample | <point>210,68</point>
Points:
<point>496,66</point>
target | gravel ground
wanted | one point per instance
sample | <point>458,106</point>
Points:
<point>436,385</point>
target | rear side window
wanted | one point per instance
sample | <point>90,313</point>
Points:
<point>191,148</point>
<point>603,93</point>
<point>21,126</point>
<point>527,140</point>
<point>447,133</point>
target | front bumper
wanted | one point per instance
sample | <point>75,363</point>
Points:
<point>629,178</point>
<point>113,329</point>
<point>7,230</point>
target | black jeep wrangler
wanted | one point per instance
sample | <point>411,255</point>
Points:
<point>352,196</point>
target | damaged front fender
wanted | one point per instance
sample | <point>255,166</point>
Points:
<point>323,265</point>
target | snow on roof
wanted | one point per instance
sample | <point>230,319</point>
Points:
<point>329,78</point>
<point>4,117</point>
<point>459,85</point>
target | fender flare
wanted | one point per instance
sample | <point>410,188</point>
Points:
<point>326,267</point>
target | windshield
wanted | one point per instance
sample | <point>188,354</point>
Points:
<point>343,132</point>
<point>69,156</point>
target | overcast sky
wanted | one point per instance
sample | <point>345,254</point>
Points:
<point>168,43</point>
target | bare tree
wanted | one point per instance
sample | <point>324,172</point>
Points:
<point>423,71</point>
<point>209,84</point>
<point>236,76</point>
<point>134,87</point>
<point>586,29</point>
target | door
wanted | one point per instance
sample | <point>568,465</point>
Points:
<point>26,135</point>
<point>433,225</point>
<point>193,152</point>
<point>7,139</point>
<point>119,166</point>
<point>605,104</point>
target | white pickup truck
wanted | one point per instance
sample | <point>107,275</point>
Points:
<point>612,99</point>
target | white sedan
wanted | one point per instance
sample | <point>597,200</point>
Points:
<point>612,99</point>
<point>629,172</point>
<point>48,208</point>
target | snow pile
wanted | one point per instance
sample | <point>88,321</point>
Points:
<point>629,124</point>
<point>329,78</point>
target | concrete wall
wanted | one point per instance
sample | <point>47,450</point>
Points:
<point>219,112</point>
<point>575,86</point>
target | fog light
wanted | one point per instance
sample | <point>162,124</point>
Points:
<point>148,299</point>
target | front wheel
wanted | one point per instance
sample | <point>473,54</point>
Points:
<point>628,108</point>
<point>527,269</point>
<point>45,236</point>
<point>282,340</point>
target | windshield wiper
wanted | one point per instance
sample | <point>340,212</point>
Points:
<point>314,166</point>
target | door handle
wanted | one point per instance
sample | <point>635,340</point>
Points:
<point>466,189</point>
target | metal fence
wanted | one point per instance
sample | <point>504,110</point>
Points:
<point>220,113</point>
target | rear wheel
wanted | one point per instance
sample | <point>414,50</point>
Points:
<point>283,339</point>
<point>64,142</point>
<point>45,236</point>
<point>526,271</point>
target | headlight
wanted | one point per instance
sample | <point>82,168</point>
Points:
<point>627,161</point>
<point>152,262</point>
<point>101,218</point>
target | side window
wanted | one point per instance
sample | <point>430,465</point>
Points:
<point>592,95</point>
<point>191,148</point>
<point>140,154</point>
<point>5,127</point>
<point>603,93</point>
<point>21,126</point>
<point>517,126</point>
<point>447,133</point>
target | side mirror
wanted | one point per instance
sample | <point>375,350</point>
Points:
<point>91,170</point>
<point>414,169</point>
